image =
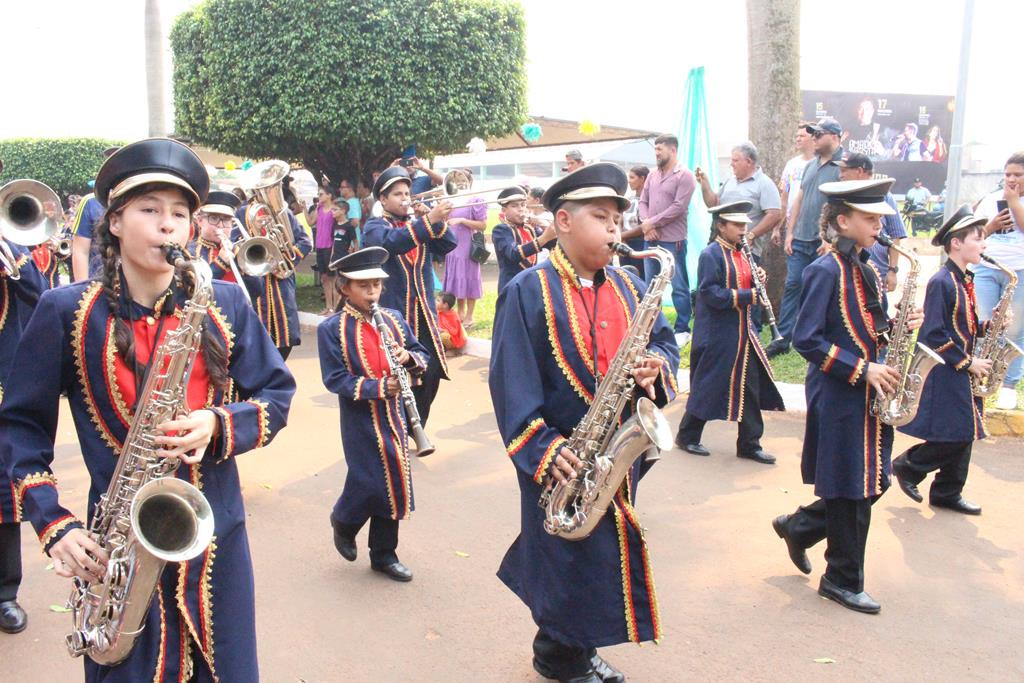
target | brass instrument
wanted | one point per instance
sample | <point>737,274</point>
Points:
<point>8,261</point>
<point>912,359</point>
<point>996,345</point>
<point>148,517</point>
<point>573,509</point>
<point>267,214</point>
<point>29,212</point>
<point>762,293</point>
<point>59,246</point>
<point>229,250</point>
<point>419,437</point>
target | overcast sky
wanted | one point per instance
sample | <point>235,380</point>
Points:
<point>76,68</point>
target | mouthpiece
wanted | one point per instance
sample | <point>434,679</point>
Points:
<point>988,259</point>
<point>175,254</point>
<point>620,248</point>
<point>883,239</point>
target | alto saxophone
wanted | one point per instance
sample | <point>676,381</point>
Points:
<point>912,359</point>
<point>148,517</point>
<point>995,345</point>
<point>412,414</point>
<point>573,509</point>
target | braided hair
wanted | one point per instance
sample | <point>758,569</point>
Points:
<point>214,353</point>
<point>829,223</point>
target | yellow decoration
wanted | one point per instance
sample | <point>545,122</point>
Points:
<point>588,127</point>
<point>229,166</point>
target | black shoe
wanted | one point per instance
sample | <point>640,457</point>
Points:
<point>588,677</point>
<point>776,349</point>
<point>906,486</point>
<point>605,671</point>
<point>957,505</point>
<point>758,456</point>
<point>797,554</point>
<point>858,602</point>
<point>345,544</point>
<point>396,570</point>
<point>695,448</point>
<point>12,617</point>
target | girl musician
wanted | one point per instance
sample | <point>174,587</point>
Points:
<point>355,365</point>
<point>839,330</point>
<point>213,222</point>
<point>556,332</point>
<point>95,341</point>
<point>516,240</point>
<point>730,377</point>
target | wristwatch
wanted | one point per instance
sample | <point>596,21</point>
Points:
<point>894,269</point>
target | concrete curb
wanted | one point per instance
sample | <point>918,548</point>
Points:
<point>1008,423</point>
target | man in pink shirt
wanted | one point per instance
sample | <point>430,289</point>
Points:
<point>664,204</point>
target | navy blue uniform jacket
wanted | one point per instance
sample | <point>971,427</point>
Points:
<point>598,591</point>
<point>516,248</point>
<point>725,344</point>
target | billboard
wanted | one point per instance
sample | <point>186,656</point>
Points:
<point>905,135</point>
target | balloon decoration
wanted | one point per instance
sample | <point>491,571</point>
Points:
<point>229,166</point>
<point>588,127</point>
<point>476,146</point>
<point>531,132</point>
<point>247,164</point>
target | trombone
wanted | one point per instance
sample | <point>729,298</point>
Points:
<point>28,217</point>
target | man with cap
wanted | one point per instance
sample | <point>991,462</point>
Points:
<point>516,243</point>
<point>802,234</point>
<point>916,199</point>
<point>840,331</point>
<point>885,259</point>
<point>374,427</point>
<point>214,222</point>
<point>730,377</point>
<point>573,161</point>
<point>92,342</point>
<point>410,244</point>
<point>558,326</point>
<point>85,258</point>
<point>950,418</point>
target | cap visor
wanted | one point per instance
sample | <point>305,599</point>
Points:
<point>141,179</point>
<point>221,209</point>
<point>734,217</point>
<point>595,192</point>
<point>876,208</point>
<point>369,274</point>
<point>389,183</point>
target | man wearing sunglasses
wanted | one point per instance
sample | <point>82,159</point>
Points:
<point>803,232</point>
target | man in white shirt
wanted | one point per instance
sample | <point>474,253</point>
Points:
<point>792,173</point>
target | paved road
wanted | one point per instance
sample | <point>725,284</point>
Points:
<point>733,607</point>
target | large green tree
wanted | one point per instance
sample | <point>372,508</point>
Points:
<point>343,86</point>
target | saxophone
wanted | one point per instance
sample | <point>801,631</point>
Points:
<point>912,359</point>
<point>995,345</point>
<point>573,509</point>
<point>412,414</point>
<point>147,517</point>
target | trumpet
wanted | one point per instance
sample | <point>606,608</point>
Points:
<point>59,246</point>
<point>28,217</point>
<point>229,250</point>
<point>256,256</point>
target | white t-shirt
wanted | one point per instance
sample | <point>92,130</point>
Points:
<point>1008,247</point>
<point>791,176</point>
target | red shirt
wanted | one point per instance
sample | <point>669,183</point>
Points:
<point>450,323</point>
<point>744,279</point>
<point>145,329</point>
<point>371,350</point>
<point>609,325</point>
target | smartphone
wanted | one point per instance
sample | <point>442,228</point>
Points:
<point>408,162</point>
<point>1001,205</point>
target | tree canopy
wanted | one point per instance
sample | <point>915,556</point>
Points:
<point>65,164</point>
<point>344,86</point>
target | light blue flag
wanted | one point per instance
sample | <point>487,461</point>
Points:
<point>695,151</point>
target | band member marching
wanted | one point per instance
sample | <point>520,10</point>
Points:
<point>840,330</point>
<point>21,285</point>
<point>950,418</point>
<point>96,341</point>
<point>557,328</point>
<point>410,288</point>
<point>730,377</point>
<point>374,429</point>
<point>517,243</point>
<point>214,221</point>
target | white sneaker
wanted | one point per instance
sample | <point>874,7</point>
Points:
<point>1006,399</point>
<point>682,339</point>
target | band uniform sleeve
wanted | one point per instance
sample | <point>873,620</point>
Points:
<point>712,286</point>
<point>378,233</point>
<point>442,239</point>
<point>663,345</point>
<point>505,247</point>
<point>819,290</point>
<point>517,391</point>
<point>29,423</point>
<point>938,331</point>
<point>264,385</point>
<point>419,356</point>
<point>303,245</point>
<point>335,373</point>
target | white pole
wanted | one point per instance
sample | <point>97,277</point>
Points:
<point>957,136</point>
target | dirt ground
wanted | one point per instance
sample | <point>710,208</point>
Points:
<point>733,606</point>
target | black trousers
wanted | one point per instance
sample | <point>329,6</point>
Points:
<point>952,460</point>
<point>431,380</point>
<point>383,538</point>
<point>10,561</point>
<point>564,661</point>
<point>750,428</point>
<point>844,522</point>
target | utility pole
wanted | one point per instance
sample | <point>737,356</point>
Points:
<point>956,143</point>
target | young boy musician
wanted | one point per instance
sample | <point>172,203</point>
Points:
<point>730,377</point>
<point>374,431</point>
<point>516,242</point>
<point>559,324</point>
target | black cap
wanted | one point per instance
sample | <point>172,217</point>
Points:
<point>154,160</point>
<point>511,194</point>
<point>861,161</point>
<point>864,195</point>
<point>388,178</point>
<point>595,181</point>
<point>223,203</point>
<point>961,219</point>
<point>364,264</point>
<point>825,125</point>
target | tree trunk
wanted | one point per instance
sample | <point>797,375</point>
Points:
<point>154,69</point>
<point>773,91</point>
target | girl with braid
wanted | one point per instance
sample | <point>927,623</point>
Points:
<point>95,342</point>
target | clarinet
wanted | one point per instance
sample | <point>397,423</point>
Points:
<point>762,293</point>
<point>412,415</point>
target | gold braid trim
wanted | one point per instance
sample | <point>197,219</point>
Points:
<point>158,670</point>
<point>34,479</point>
<point>382,451</point>
<point>627,588</point>
<point>263,417</point>
<point>206,603</point>
<point>50,532</point>
<point>89,299</point>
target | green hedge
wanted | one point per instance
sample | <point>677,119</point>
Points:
<point>65,164</point>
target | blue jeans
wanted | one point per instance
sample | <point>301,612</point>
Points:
<point>989,284</point>
<point>804,254</point>
<point>680,281</point>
